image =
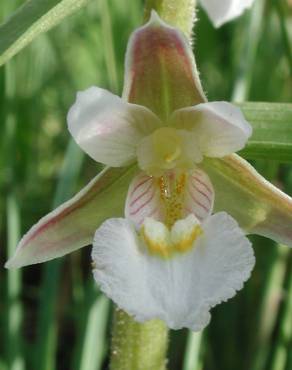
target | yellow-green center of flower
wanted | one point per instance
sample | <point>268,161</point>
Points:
<point>167,144</point>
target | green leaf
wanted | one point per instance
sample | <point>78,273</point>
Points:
<point>272,131</point>
<point>31,19</point>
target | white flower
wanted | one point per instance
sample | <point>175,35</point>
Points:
<point>222,11</point>
<point>169,258</point>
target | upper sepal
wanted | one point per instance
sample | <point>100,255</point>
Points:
<point>161,72</point>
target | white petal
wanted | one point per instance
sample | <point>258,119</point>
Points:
<point>199,195</point>
<point>180,290</point>
<point>143,200</point>
<point>120,270</point>
<point>222,11</point>
<point>107,128</point>
<point>221,261</point>
<point>220,127</point>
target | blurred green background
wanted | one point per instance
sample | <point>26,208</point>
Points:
<point>51,315</point>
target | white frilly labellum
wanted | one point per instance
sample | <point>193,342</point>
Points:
<point>181,288</point>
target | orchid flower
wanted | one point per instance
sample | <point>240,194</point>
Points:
<point>222,11</point>
<point>171,257</point>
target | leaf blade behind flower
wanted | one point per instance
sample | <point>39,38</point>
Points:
<point>272,131</point>
<point>31,19</point>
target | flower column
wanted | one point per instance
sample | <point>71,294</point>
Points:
<point>158,75</point>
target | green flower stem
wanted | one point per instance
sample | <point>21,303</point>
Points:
<point>180,14</point>
<point>138,346</point>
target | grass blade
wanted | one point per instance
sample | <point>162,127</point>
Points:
<point>14,314</point>
<point>91,346</point>
<point>192,359</point>
<point>31,19</point>
<point>282,346</point>
<point>272,131</point>
<point>47,328</point>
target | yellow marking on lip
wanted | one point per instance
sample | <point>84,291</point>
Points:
<point>167,248</point>
<point>187,242</point>
<point>181,182</point>
<point>158,247</point>
<point>172,193</point>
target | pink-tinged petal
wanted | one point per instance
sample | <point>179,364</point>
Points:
<point>222,11</point>
<point>199,195</point>
<point>107,128</point>
<point>161,73</point>
<point>144,200</point>
<point>257,205</point>
<point>220,127</point>
<point>72,225</point>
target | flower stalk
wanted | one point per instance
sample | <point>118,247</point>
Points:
<point>138,346</point>
<point>180,14</point>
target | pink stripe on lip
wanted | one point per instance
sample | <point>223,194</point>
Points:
<point>202,193</point>
<point>199,203</point>
<point>133,213</point>
<point>140,196</point>
<point>203,184</point>
<point>140,184</point>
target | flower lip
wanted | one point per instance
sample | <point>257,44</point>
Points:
<point>179,290</point>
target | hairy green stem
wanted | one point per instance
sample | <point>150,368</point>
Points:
<point>180,14</point>
<point>138,346</point>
